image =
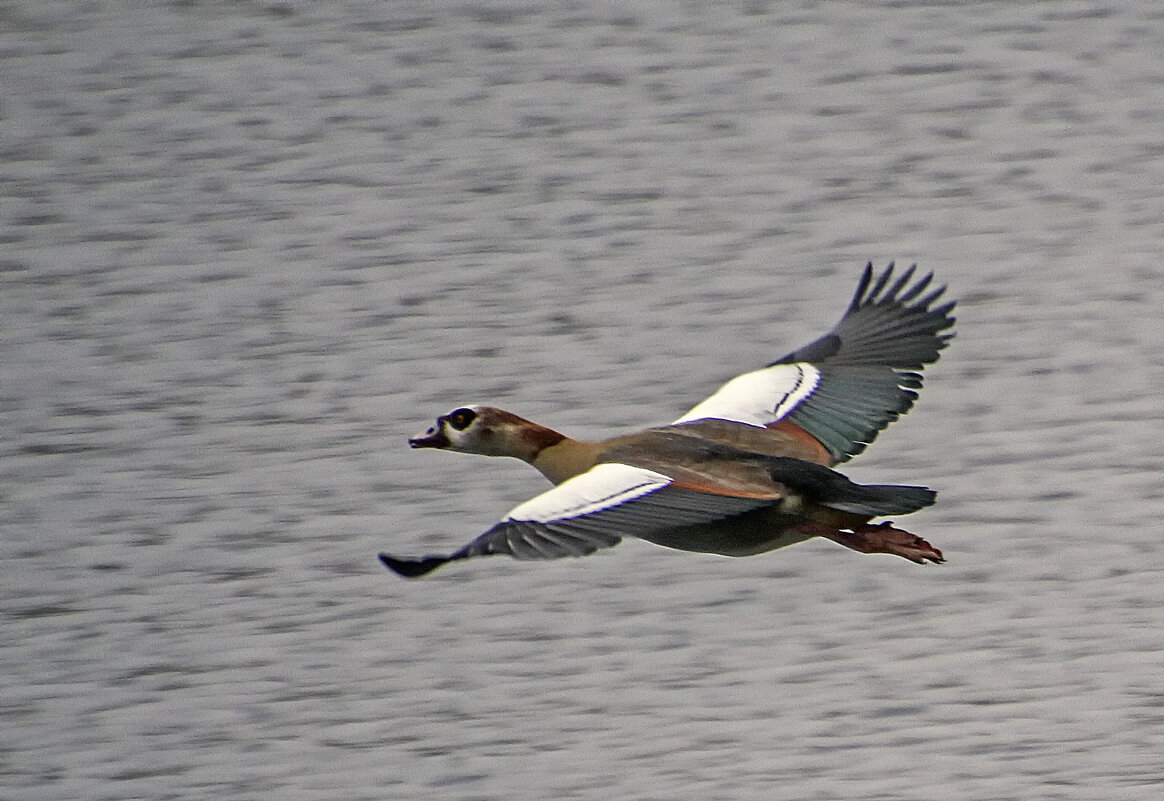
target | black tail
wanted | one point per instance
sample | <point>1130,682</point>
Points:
<point>827,487</point>
<point>883,499</point>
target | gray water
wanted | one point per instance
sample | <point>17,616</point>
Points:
<point>247,248</point>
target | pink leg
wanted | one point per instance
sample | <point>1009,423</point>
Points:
<point>883,538</point>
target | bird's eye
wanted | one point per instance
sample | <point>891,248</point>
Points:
<point>461,418</point>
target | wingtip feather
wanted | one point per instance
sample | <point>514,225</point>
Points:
<point>412,568</point>
<point>862,285</point>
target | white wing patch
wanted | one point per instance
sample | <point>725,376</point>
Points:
<point>760,397</point>
<point>600,487</point>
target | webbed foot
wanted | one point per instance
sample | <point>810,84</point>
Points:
<point>884,538</point>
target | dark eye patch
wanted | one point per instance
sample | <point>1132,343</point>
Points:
<point>461,418</point>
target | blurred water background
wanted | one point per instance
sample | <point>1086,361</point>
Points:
<point>247,248</point>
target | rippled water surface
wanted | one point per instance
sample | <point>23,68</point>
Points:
<point>247,248</point>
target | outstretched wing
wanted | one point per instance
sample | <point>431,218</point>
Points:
<point>591,511</point>
<point>847,386</point>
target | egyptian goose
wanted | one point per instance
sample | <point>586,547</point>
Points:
<point>746,471</point>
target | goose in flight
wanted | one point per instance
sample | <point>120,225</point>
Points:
<point>748,470</point>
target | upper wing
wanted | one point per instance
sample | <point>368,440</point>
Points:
<point>847,386</point>
<point>591,511</point>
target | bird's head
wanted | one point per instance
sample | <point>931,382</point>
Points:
<point>487,431</point>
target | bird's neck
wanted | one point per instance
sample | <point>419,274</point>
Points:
<point>565,458</point>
